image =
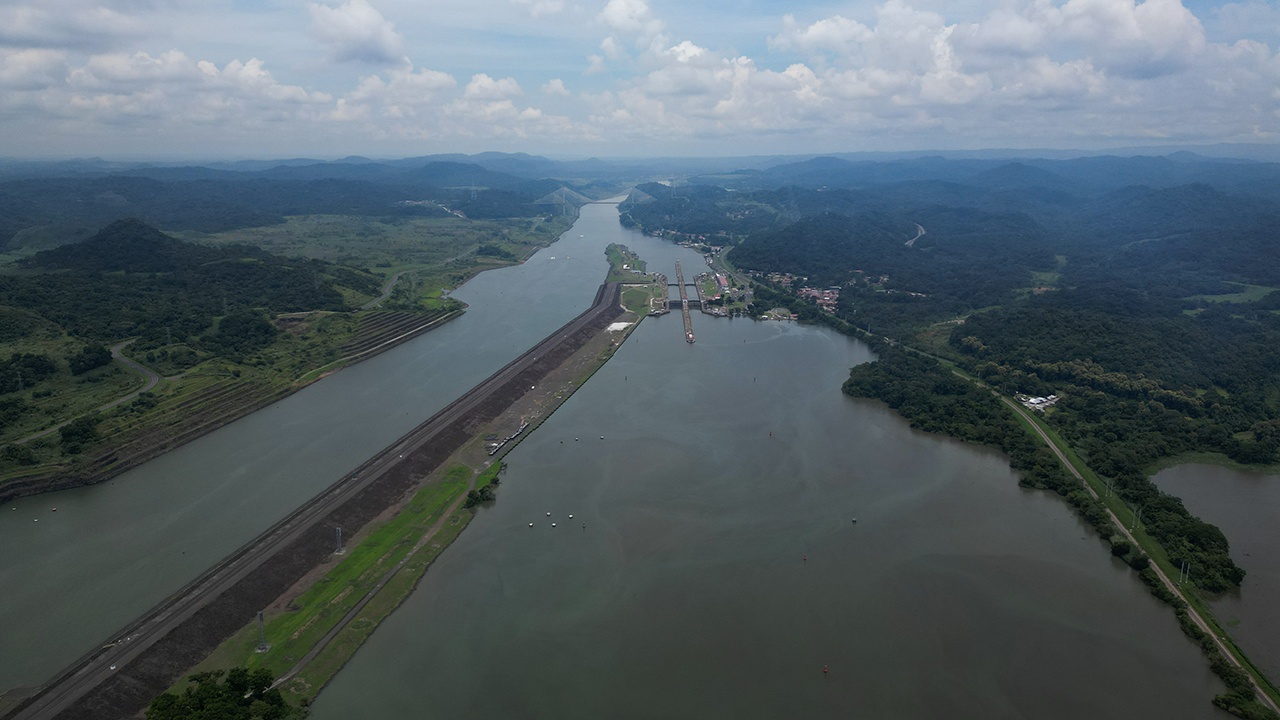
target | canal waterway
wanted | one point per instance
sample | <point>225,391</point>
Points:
<point>713,567</point>
<point>1246,507</point>
<point>71,578</point>
<point>719,571</point>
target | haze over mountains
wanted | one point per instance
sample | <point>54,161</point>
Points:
<point>79,197</point>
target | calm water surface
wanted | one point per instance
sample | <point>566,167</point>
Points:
<point>681,588</point>
<point>724,464</point>
<point>1246,507</point>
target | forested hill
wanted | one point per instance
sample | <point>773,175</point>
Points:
<point>129,280</point>
<point>971,258</point>
<point>827,247</point>
<point>132,246</point>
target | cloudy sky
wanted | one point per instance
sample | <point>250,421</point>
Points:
<point>574,78</point>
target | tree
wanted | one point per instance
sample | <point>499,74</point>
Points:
<point>243,331</point>
<point>235,694</point>
<point>78,432</point>
<point>90,357</point>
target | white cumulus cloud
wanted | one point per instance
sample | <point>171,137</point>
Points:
<point>890,74</point>
<point>632,17</point>
<point>78,25</point>
<point>31,69</point>
<point>355,30</point>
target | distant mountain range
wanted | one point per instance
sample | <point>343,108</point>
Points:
<point>45,204</point>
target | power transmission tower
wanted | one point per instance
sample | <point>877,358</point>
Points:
<point>262,635</point>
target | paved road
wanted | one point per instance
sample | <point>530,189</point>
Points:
<point>152,378</point>
<point>386,291</point>
<point>920,234</point>
<point>100,664</point>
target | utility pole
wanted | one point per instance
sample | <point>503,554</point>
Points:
<point>1137,518</point>
<point>262,635</point>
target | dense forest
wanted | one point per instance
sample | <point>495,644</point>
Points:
<point>130,279</point>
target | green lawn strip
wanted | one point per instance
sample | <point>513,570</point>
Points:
<point>293,633</point>
<point>309,681</point>
<point>1154,550</point>
<point>489,475</point>
<point>636,300</point>
<point>710,287</point>
<point>327,601</point>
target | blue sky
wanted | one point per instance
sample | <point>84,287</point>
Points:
<point>328,78</point>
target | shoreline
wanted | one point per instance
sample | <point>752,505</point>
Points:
<point>69,479</point>
<point>1208,458</point>
<point>184,629</point>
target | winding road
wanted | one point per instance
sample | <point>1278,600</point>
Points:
<point>152,379</point>
<point>920,234</point>
<point>386,291</point>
